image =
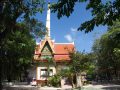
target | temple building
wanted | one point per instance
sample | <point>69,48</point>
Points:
<point>50,54</point>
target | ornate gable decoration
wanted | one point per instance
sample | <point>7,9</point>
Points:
<point>47,46</point>
<point>46,49</point>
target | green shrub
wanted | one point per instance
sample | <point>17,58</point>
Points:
<point>54,80</point>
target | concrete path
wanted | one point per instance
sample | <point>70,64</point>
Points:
<point>101,87</point>
<point>29,87</point>
<point>49,88</point>
<point>87,87</point>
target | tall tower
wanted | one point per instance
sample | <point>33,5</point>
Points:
<point>48,22</point>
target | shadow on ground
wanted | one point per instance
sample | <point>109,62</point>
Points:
<point>111,88</point>
<point>20,88</point>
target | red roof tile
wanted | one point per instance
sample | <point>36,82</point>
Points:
<point>61,51</point>
<point>63,48</point>
<point>61,57</point>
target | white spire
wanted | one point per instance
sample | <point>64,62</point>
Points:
<point>48,21</point>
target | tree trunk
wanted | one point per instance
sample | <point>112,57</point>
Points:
<point>72,82</point>
<point>1,76</point>
<point>0,80</point>
<point>79,81</point>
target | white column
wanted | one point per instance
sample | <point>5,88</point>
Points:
<point>38,73</point>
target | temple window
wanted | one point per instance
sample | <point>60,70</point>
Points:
<point>44,72</point>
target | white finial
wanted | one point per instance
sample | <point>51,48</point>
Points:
<point>48,21</point>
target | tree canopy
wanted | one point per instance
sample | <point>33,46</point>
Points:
<point>107,50</point>
<point>12,10</point>
<point>17,28</point>
<point>19,50</point>
<point>103,12</point>
<point>82,63</point>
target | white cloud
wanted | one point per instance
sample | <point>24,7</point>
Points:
<point>73,29</point>
<point>54,39</point>
<point>68,37</point>
<point>72,34</point>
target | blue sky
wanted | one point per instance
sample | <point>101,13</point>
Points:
<point>64,30</point>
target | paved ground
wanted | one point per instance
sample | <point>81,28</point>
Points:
<point>29,87</point>
<point>101,87</point>
<point>87,87</point>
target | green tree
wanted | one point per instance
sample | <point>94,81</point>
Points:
<point>103,12</point>
<point>19,50</point>
<point>107,53</point>
<point>12,12</point>
<point>81,62</point>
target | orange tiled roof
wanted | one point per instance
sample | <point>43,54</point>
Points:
<point>63,48</point>
<point>61,57</point>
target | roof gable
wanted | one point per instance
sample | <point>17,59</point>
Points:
<point>48,42</point>
<point>46,49</point>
